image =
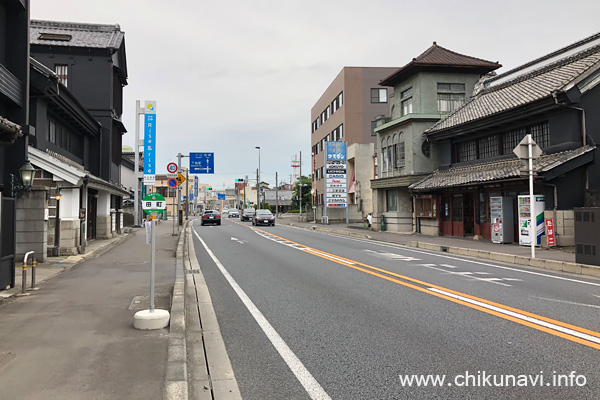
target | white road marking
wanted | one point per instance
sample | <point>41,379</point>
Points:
<point>328,256</point>
<point>470,276</point>
<point>566,302</point>
<point>392,256</point>
<point>447,265</point>
<point>312,387</point>
<point>522,317</point>
<point>237,240</point>
<point>426,265</point>
<point>435,254</point>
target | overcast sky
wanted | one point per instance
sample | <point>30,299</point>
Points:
<point>230,76</point>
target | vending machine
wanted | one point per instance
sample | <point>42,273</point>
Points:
<point>501,216</point>
<point>526,210</point>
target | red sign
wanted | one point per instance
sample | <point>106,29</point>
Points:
<point>172,168</point>
<point>496,228</point>
<point>550,232</point>
<point>172,183</point>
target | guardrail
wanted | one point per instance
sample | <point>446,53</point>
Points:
<point>24,277</point>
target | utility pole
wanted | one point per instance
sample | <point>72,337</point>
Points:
<point>179,221</point>
<point>257,191</point>
<point>187,195</point>
<point>276,196</point>
<point>300,186</point>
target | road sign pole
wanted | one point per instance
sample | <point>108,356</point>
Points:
<point>532,222</point>
<point>179,222</point>
<point>153,232</point>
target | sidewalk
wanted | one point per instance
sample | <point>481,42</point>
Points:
<point>557,259</point>
<point>74,337</point>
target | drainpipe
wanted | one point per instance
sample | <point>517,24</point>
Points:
<point>583,133</point>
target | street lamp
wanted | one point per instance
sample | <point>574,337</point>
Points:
<point>258,180</point>
<point>27,173</point>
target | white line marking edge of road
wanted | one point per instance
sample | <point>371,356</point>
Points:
<point>310,384</point>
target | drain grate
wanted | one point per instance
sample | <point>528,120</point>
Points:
<point>192,271</point>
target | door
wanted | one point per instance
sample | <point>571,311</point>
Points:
<point>91,217</point>
<point>469,214</point>
<point>7,241</point>
<point>457,215</point>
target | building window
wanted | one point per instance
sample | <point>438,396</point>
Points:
<point>379,95</point>
<point>511,139</point>
<point>63,137</point>
<point>62,71</point>
<point>450,96</point>
<point>337,133</point>
<point>425,206</point>
<point>384,159</point>
<point>482,208</point>
<point>489,146</point>
<point>541,134</point>
<point>406,101</point>
<point>337,103</point>
<point>400,155</point>
<point>391,197</point>
<point>426,148</point>
<point>457,208</point>
<point>466,151</point>
<point>51,131</point>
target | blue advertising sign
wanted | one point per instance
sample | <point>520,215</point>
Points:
<point>150,138</point>
<point>336,151</point>
<point>202,163</point>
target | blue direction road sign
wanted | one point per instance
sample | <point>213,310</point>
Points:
<point>150,138</point>
<point>202,163</point>
<point>221,196</point>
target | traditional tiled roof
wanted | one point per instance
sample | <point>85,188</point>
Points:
<point>75,34</point>
<point>523,89</point>
<point>496,170</point>
<point>437,56</point>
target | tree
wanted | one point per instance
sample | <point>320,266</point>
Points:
<point>306,195</point>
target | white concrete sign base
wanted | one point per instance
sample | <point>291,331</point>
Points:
<point>146,320</point>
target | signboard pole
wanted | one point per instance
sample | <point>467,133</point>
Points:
<point>532,222</point>
<point>153,226</point>
<point>179,222</point>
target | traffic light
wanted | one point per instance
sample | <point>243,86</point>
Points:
<point>208,188</point>
<point>239,179</point>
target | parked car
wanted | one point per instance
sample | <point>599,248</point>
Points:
<point>248,214</point>
<point>263,217</point>
<point>211,217</point>
<point>233,213</point>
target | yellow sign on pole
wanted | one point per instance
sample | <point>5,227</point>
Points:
<point>180,178</point>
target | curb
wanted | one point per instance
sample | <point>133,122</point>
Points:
<point>176,385</point>
<point>564,266</point>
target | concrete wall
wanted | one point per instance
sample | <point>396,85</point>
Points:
<point>32,230</point>
<point>564,227</point>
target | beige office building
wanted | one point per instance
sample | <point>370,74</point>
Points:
<point>345,112</point>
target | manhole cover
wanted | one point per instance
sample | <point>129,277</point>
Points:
<point>161,300</point>
<point>192,271</point>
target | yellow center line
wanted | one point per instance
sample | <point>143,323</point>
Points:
<point>394,277</point>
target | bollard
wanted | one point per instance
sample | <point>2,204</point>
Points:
<point>24,277</point>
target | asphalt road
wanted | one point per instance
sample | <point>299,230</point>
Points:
<point>311,315</point>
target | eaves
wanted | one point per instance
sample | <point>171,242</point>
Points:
<point>405,120</point>
<point>396,181</point>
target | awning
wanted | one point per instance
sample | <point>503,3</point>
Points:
<point>547,166</point>
<point>352,188</point>
<point>71,172</point>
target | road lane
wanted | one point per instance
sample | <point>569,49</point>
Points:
<point>356,333</point>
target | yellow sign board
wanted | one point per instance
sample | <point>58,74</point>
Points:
<point>180,178</point>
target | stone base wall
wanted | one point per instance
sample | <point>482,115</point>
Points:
<point>430,226</point>
<point>69,237</point>
<point>103,225</point>
<point>31,226</point>
<point>564,227</point>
